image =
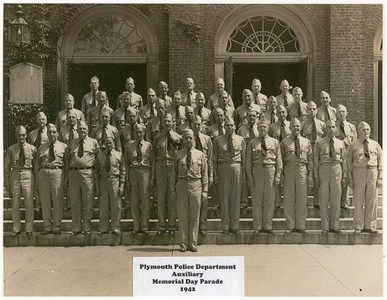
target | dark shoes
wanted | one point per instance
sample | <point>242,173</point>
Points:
<point>183,248</point>
<point>290,230</point>
<point>225,231</point>
<point>357,231</point>
<point>28,233</point>
<point>317,206</point>
<point>301,230</point>
<point>193,249</point>
<point>203,232</point>
<point>324,231</point>
<point>15,233</point>
<point>57,232</point>
<point>345,207</point>
<point>75,232</point>
<point>172,232</point>
<point>234,231</point>
<point>44,232</point>
<point>161,232</point>
<point>369,231</point>
<point>335,230</point>
<point>267,231</point>
<point>256,231</point>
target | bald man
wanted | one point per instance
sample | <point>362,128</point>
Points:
<point>61,119</point>
<point>20,179</point>
<point>214,99</point>
<point>365,173</point>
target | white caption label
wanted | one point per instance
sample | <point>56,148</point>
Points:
<point>189,276</point>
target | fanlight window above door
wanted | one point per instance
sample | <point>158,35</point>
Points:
<point>263,35</point>
<point>109,35</point>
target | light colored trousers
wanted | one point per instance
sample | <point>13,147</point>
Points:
<point>329,194</point>
<point>51,197</point>
<point>109,197</point>
<point>188,193</point>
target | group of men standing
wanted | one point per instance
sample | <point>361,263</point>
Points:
<point>179,150</point>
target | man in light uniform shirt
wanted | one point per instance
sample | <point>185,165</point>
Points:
<point>189,184</point>
<point>163,94</point>
<point>105,130</point>
<point>313,129</point>
<point>263,169</point>
<point>365,173</point>
<point>70,131</point>
<point>149,111</point>
<point>229,172</point>
<point>297,157</point>
<point>241,111</point>
<point>50,170</point>
<point>298,109</point>
<point>110,178</point>
<point>203,112</point>
<point>188,98</point>
<point>326,112</point>
<point>20,179</point>
<point>271,111</point>
<point>140,164</point>
<point>330,173</point>
<point>61,119</point>
<point>165,145</point>
<point>136,99</point>
<point>214,100</point>
<point>258,98</point>
<point>90,99</point>
<point>94,115</point>
<point>285,98</point>
<point>346,132</point>
<point>177,110</point>
<point>80,165</point>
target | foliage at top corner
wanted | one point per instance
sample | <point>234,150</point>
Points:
<point>192,29</point>
<point>46,27</point>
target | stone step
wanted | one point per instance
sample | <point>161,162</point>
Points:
<point>211,213</point>
<point>245,237</point>
<point>212,224</point>
<point>8,201</point>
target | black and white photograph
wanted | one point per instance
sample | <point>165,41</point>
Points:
<point>192,149</point>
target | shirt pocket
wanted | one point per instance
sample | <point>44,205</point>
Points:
<point>271,151</point>
<point>196,168</point>
<point>358,154</point>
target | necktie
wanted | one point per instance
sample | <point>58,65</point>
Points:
<point>122,140</point>
<point>95,102</point>
<point>231,147</point>
<point>126,121</point>
<point>71,134</point>
<point>272,120</point>
<point>169,141</point>
<point>251,132</point>
<point>328,116</point>
<point>200,112</point>
<point>51,153</point>
<point>314,131</point>
<point>108,165</point>
<point>286,101</point>
<point>132,132</point>
<point>332,153</point>
<point>152,112</point>
<point>189,159</point>
<point>366,149</point>
<point>189,99</point>
<point>104,133</point>
<point>297,146</point>
<point>283,133</point>
<point>263,147</point>
<point>220,129</point>
<point>139,154</point>
<point>38,140</point>
<point>299,110</point>
<point>177,113</point>
<point>225,110</point>
<point>342,128</point>
<point>22,156</point>
<point>198,143</point>
<point>80,148</point>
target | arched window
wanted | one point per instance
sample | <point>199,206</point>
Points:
<point>109,35</point>
<point>263,34</point>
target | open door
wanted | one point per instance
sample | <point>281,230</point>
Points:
<point>303,79</point>
<point>228,72</point>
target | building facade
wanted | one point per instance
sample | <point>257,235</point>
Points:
<point>335,48</point>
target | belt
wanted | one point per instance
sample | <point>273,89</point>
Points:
<point>188,178</point>
<point>366,167</point>
<point>229,162</point>
<point>139,167</point>
<point>333,164</point>
<point>80,168</point>
<point>110,175</point>
<point>265,165</point>
<point>297,164</point>
<point>52,167</point>
<point>20,168</point>
<point>165,160</point>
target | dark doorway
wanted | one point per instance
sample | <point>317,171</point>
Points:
<point>111,78</point>
<point>270,76</point>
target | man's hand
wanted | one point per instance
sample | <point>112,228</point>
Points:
<point>65,183</point>
<point>351,183</point>
<point>250,181</point>
<point>216,179</point>
<point>151,185</point>
<point>210,181</point>
<point>310,181</point>
<point>120,190</point>
<point>277,180</point>
<point>317,182</point>
<point>173,196</point>
<point>379,182</point>
<point>97,189</point>
<point>204,195</point>
<point>344,181</point>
